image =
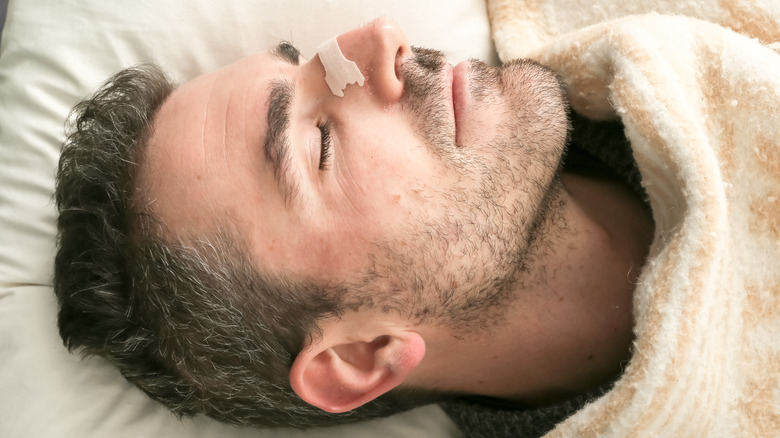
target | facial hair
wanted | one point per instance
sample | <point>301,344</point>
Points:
<point>471,246</point>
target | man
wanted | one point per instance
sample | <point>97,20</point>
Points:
<point>251,246</point>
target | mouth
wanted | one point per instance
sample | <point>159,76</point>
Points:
<point>457,79</point>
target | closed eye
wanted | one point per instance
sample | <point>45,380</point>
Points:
<point>325,145</point>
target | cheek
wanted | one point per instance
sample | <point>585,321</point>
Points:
<point>334,250</point>
<point>371,172</point>
<point>379,176</point>
<point>361,209</point>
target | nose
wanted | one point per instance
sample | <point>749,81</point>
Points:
<point>378,49</point>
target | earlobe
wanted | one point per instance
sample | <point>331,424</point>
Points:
<point>341,377</point>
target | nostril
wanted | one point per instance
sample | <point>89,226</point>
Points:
<point>402,54</point>
<point>399,60</point>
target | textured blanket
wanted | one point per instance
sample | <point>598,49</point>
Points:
<point>697,86</point>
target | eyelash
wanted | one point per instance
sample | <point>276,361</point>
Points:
<point>325,145</point>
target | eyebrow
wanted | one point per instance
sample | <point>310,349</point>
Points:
<point>287,52</point>
<point>277,143</point>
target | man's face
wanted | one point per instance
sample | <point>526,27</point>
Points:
<point>423,184</point>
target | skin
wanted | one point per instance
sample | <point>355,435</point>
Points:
<point>441,192</point>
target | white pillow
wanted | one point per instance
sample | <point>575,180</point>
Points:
<point>54,53</point>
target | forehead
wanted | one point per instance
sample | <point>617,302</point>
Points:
<point>202,131</point>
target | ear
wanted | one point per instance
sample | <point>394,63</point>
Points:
<point>339,376</point>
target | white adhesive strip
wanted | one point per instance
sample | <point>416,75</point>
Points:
<point>339,71</point>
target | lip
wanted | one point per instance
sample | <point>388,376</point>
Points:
<point>459,76</point>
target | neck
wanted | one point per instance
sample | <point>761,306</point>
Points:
<point>572,331</point>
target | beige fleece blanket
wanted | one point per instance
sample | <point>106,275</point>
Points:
<point>699,94</point>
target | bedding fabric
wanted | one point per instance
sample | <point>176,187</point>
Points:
<point>697,86</point>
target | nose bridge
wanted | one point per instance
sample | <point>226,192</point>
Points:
<point>378,48</point>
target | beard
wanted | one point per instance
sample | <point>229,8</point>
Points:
<point>470,248</point>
